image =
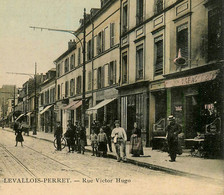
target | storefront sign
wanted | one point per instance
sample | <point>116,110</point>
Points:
<point>199,78</point>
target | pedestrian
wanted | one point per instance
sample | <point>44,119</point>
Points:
<point>107,130</point>
<point>119,137</point>
<point>69,136</point>
<point>19,137</point>
<point>58,135</point>
<point>82,139</point>
<point>136,148</point>
<point>73,132</point>
<point>102,143</point>
<point>172,131</point>
<point>93,139</point>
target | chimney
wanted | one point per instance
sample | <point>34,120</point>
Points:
<point>71,44</point>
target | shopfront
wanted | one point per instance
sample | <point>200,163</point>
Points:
<point>134,108</point>
<point>196,102</point>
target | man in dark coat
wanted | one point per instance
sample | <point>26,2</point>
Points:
<point>107,130</point>
<point>172,131</point>
<point>69,136</point>
<point>58,135</point>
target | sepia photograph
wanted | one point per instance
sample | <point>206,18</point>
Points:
<point>104,97</point>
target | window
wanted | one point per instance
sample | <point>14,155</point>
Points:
<point>62,94</point>
<point>78,84</point>
<point>72,62</point>
<point>79,56</point>
<point>125,17</point>
<point>112,73</point>
<point>89,50</point>
<point>100,42</point>
<point>66,65</point>
<point>72,87</point>
<point>112,34</point>
<point>41,99</point>
<point>59,70</point>
<point>158,6</point>
<point>139,12</point>
<point>124,67</point>
<point>158,56</point>
<point>46,97</point>
<point>182,40</point>
<point>100,77</point>
<point>215,40</point>
<point>59,90</point>
<point>89,80</point>
<point>66,89</point>
<point>139,62</point>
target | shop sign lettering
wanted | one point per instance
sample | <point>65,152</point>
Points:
<point>199,78</point>
<point>178,108</point>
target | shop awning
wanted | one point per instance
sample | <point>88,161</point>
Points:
<point>100,105</point>
<point>29,113</point>
<point>70,105</point>
<point>45,109</point>
<point>19,117</point>
<point>190,80</point>
<point>75,106</point>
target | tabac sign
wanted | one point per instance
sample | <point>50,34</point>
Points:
<point>198,78</point>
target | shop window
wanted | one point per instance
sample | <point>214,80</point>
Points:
<point>139,12</point>
<point>72,62</point>
<point>158,56</point>
<point>66,65</point>
<point>112,73</point>
<point>78,84</point>
<point>182,40</point>
<point>112,34</point>
<point>124,67</point>
<point>125,17</point>
<point>158,6</point>
<point>139,62</point>
<point>215,40</point>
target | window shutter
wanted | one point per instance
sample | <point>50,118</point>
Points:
<point>102,76</point>
<point>103,41</point>
<point>114,72</point>
<point>95,79</point>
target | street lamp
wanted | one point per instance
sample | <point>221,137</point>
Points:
<point>33,76</point>
<point>75,33</point>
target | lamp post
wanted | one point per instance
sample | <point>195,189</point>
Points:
<point>83,46</point>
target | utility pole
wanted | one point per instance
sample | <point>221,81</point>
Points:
<point>83,45</point>
<point>84,71</point>
<point>35,101</point>
<point>14,99</point>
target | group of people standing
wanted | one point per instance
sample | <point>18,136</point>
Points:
<point>101,136</point>
<point>75,136</point>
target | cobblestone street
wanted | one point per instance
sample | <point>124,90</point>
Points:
<point>38,167</point>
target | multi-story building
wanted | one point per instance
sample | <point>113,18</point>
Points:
<point>155,81</point>
<point>102,68</point>
<point>46,116</point>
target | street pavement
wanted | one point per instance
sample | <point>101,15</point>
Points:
<point>185,164</point>
<point>36,168</point>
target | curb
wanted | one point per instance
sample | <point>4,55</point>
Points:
<point>148,165</point>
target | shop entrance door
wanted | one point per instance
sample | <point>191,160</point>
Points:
<point>131,118</point>
<point>192,116</point>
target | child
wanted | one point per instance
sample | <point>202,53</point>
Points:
<point>102,142</point>
<point>93,139</point>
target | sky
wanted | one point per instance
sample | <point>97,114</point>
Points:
<point>21,47</point>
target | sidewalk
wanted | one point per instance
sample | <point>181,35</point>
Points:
<point>185,164</point>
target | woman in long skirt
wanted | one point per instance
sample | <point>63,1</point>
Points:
<point>19,137</point>
<point>136,148</point>
<point>102,143</point>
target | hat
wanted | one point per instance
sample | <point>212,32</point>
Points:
<point>116,122</point>
<point>171,117</point>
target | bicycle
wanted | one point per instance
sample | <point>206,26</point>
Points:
<point>63,143</point>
